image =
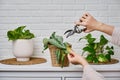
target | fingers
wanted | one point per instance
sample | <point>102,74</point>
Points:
<point>70,57</point>
<point>83,20</point>
<point>85,17</point>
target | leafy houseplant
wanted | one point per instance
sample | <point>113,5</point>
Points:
<point>58,49</point>
<point>22,43</point>
<point>20,33</point>
<point>98,52</point>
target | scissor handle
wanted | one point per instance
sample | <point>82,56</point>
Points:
<point>78,30</point>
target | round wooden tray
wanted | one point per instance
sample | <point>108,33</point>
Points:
<point>113,61</point>
<point>33,60</point>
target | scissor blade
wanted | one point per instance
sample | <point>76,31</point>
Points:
<point>68,31</point>
<point>70,34</point>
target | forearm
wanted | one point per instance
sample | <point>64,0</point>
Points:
<point>84,63</point>
<point>108,29</point>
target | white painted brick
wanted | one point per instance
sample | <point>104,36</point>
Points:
<point>69,19</point>
<point>86,1</point>
<point>114,14</point>
<point>114,2</point>
<point>103,19</point>
<point>63,1</point>
<point>30,20</point>
<point>96,7</point>
<point>30,7</point>
<point>26,1</point>
<point>37,13</point>
<point>73,7</point>
<point>114,19</point>
<point>114,7</point>
<point>43,17</point>
<point>103,13</point>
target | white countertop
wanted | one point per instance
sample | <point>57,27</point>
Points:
<point>47,67</point>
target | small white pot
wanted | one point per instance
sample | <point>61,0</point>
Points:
<point>23,49</point>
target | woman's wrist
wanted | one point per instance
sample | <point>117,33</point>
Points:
<point>99,26</point>
<point>105,28</point>
<point>84,63</point>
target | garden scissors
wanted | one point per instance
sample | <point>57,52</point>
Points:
<point>73,31</point>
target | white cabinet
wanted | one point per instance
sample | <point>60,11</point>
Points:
<point>112,78</point>
<point>30,78</point>
<point>47,72</point>
<point>77,78</point>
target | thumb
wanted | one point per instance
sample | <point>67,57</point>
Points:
<point>88,30</point>
<point>69,57</point>
<point>77,23</point>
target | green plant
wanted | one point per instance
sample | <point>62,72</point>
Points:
<point>97,51</point>
<point>57,41</point>
<point>19,33</point>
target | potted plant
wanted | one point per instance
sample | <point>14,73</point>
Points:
<point>97,51</point>
<point>58,49</point>
<point>22,43</point>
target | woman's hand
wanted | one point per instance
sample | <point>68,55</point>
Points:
<point>89,22</point>
<point>92,24</point>
<point>76,59</point>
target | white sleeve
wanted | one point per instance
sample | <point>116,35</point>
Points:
<point>90,74</point>
<point>116,36</point>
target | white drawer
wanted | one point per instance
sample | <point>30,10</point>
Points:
<point>30,78</point>
<point>77,78</point>
<point>112,78</point>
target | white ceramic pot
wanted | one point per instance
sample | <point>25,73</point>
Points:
<point>23,49</point>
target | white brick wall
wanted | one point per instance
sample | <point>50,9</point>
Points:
<point>45,16</point>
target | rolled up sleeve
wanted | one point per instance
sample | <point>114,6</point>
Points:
<point>91,74</point>
<point>116,36</point>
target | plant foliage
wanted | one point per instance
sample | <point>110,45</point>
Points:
<point>97,51</point>
<point>63,47</point>
<point>20,33</point>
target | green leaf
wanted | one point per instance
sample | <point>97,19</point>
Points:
<point>54,42</point>
<point>112,47</point>
<point>88,36</point>
<point>59,38</point>
<point>58,55</point>
<point>45,42</point>
<point>95,60</point>
<point>91,40</point>
<point>89,49</point>
<point>103,40</point>
<point>52,35</point>
<point>111,52</point>
<point>101,58</point>
<point>107,48</point>
<point>62,60</point>
<point>20,29</point>
<point>108,56</point>
<point>90,58</point>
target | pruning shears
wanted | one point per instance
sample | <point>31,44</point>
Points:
<point>73,31</point>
